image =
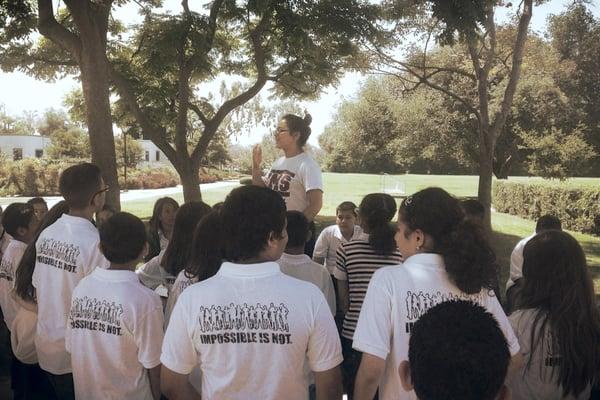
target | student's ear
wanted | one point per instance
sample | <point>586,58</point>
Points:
<point>101,248</point>
<point>308,236</point>
<point>22,231</point>
<point>504,393</point>
<point>144,252</point>
<point>404,372</point>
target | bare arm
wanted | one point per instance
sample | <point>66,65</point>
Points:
<point>343,300</point>
<point>176,386</point>
<point>256,166</point>
<point>154,377</point>
<point>315,203</point>
<point>329,384</point>
<point>368,377</point>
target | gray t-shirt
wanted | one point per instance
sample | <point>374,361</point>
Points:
<point>540,381</point>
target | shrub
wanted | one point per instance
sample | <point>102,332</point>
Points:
<point>577,208</point>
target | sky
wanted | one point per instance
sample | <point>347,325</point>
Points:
<point>19,92</point>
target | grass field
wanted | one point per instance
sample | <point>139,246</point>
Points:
<point>508,229</point>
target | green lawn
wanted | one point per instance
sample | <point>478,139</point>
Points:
<point>508,229</point>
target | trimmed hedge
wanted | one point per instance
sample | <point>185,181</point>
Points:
<point>577,208</point>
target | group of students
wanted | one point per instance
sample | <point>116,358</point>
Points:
<point>228,305</point>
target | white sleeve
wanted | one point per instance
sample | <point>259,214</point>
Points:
<point>311,175</point>
<point>324,348</point>
<point>178,351</point>
<point>150,274</point>
<point>373,332</point>
<point>148,334</point>
<point>339,272</point>
<point>493,306</point>
<point>516,264</point>
<point>322,244</point>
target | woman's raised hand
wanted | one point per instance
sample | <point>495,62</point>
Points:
<point>256,156</point>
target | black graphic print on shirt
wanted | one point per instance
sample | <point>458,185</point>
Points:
<point>243,323</point>
<point>417,304</point>
<point>6,271</point>
<point>96,315</point>
<point>60,255</point>
<point>280,180</point>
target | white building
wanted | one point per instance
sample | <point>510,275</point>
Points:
<point>17,147</point>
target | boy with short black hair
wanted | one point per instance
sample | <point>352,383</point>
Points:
<point>66,252</point>
<point>294,262</point>
<point>115,325</point>
<point>456,351</point>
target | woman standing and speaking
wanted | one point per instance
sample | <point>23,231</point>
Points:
<point>296,176</point>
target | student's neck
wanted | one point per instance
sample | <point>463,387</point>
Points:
<point>294,251</point>
<point>130,266</point>
<point>86,213</point>
<point>167,232</point>
<point>292,152</point>
<point>347,234</point>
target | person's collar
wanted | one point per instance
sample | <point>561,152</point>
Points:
<point>258,270</point>
<point>116,275</point>
<point>295,258</point>
<point>425,259</point>
<point>71,219</point>
<point>17,243</point>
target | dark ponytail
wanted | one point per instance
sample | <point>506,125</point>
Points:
<point>299,125</point>
<point>468,256</point>
<point>376,210</point>
<point>24,272</point>
<point>207,248</point>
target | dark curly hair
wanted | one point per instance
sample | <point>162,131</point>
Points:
<point>469,259</point>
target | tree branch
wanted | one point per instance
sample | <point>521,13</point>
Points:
<point>198,112</point>
<point>50,28</point>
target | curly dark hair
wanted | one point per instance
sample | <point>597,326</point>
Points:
<point>469,259</point>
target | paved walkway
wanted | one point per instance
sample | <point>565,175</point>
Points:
<point>136,194</point>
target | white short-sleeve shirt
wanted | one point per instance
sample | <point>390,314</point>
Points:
<point>252,329</point>
<point>152,274</point>
<point>516,261</point>
<point>67,251</point>
<point>396,298</point>
<point>114,334</point>
<point>330,240</point>
<point>8,266</point>
<point>292,178</point>
<point>302,267</point>
<point>181,283</point>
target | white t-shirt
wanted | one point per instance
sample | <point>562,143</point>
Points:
<point>8,266</point>
<point>66,251</point>
<point>252,328</point>
<point>330,240</point>
<point>181,283</point>
<point>292,178</point>
<point>397,297</point>
<point>152,274</point>
<point>537,382</point>
<point>300,266</point>
<point>516,262</point>
<point>114,334</point>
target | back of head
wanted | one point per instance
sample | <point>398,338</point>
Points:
<point>79,183</point>
<point>376,211</point>
<point>177,253</point>
<point>468,257</point>
<point>297,229</point>
<point>17,215</point>
<point>556,281</point>
<point>299,125</point>
<point>36,200</point>
<point>548,222</point>
<point>122,238</point>
<point>24,272</point>
<point>207,248</point>
<point>249,215</point>
<point>457,351</point>
<point>473,209</point>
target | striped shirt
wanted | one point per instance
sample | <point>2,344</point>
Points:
<point>356,263</point>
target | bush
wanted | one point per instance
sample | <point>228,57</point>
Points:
<point>31,177</point>
<point>150,178</point>
<point>577,208</point>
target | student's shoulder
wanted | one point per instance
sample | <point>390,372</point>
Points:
<point>140,295</point>
<point>390,275</point>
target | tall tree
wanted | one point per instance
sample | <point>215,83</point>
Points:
<point>481,43</point>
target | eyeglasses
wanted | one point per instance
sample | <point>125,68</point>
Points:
<point>280,130</point>
<point>106,188</point>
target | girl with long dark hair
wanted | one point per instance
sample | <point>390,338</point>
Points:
<point>557,322</point>
<point>357,260</point>
<point>161,225</point>
<point>163,268</point>
<point>445,258</point>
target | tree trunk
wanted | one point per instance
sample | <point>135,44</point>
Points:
<point>484,191</point>
<point>188,173</point>
<point>94,82</point>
